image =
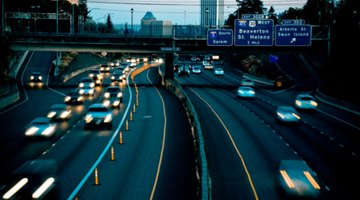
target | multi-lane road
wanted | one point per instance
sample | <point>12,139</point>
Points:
<point>156,160</point>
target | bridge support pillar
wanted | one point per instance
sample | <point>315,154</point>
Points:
<point>169,66</point>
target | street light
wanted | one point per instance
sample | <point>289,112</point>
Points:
<point>207,17</point>
<point>132,23</point>
<point>73,2</point>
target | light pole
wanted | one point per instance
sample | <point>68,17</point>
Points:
<point>207,17</point>
<point>73,2</point>
<point>3,18</point>
<point>132,23</point>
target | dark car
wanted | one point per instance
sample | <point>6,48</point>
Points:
<point>184,71</point>
<point>59,112</point>
<point>73,97</point>
<point>35,79</point>
<point>98,115</point>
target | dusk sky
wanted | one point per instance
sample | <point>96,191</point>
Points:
<point>184,12</point>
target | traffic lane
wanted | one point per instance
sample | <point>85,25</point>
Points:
<point>77,151</point>
<point>247,140</point>
<point>338,127</point>
<point>331,161</point>
<point>177,179</point>
<point>133,173</point>
<point>40,62</point>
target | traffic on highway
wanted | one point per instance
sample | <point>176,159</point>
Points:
<point>115,132</point>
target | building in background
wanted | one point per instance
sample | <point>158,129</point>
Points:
<point>212,13</point>
<point>150,26</point>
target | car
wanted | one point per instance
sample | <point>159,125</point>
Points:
<point>123,65</point>
<point>35,79</point>
<point>113,102</point>
<point>73,97</point>
<point>207,65</point>
<point>246,92</point>
<point>113,91</point>
<point>218,71</point>
<point>117,76</point>
<point>86,86</point>
<point>40,127</point>
<point>104,67</point>
<point>305,102</point>
<point>196,69</point>
<point>95,73</point>
<point>98,115</point>
<point>35,179</point>
<point>59,112</point>
<point>287,114</point>
<point>296,180</point>
<point>176,67</point>
<point>247,82</point>
<point>184,71</point>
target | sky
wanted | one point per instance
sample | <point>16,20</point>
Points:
<point>183,12</point>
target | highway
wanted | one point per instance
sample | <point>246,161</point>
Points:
<point>156,158</point>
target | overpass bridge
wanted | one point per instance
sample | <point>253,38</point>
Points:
<point>182,40</point>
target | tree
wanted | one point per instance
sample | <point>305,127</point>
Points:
<point>109,25</point>
<point>272,15</point>
<point>246,7</point>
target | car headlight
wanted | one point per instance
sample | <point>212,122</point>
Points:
<point>65,114</point>
<point>280,115</point>
<point>88,118</point>
<point>112,77</point>
<point>108,118</point>
<point>92,84</point>
<point>116,103</point>
<point>298,103</point>
<point>314,103</point>
<point>120,94</point>
<point>106,103</point>
<point>40,77</point>
<point>91,75</point>
<point>107,95</point>
<point>81,85</point>
<point>80,98</point>
<point>31,131</point>
<point>91,91</point>
<point>296,115</point>
<point>48,131</point>
<point>51,114</point>
<point>31,77</point>
<point>43,188</point>
<point>67,98</point>
<point>81,91</point>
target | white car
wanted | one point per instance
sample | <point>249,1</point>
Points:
<point>98,115</point>
<point>40,127</point>
<point>297,180</point>
<point>246,92</point>
<point>219,71</point>
<point>196,69</point>
<point>305,102</point>
<point>287,114</point>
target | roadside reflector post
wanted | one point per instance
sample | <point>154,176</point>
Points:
<point>131,116</point>
<point>121,139</point>
<point>112,153</point>
<point>127,125</point>
<point>137,100</point>
<point>96,177</point>
<point>134,108</point>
